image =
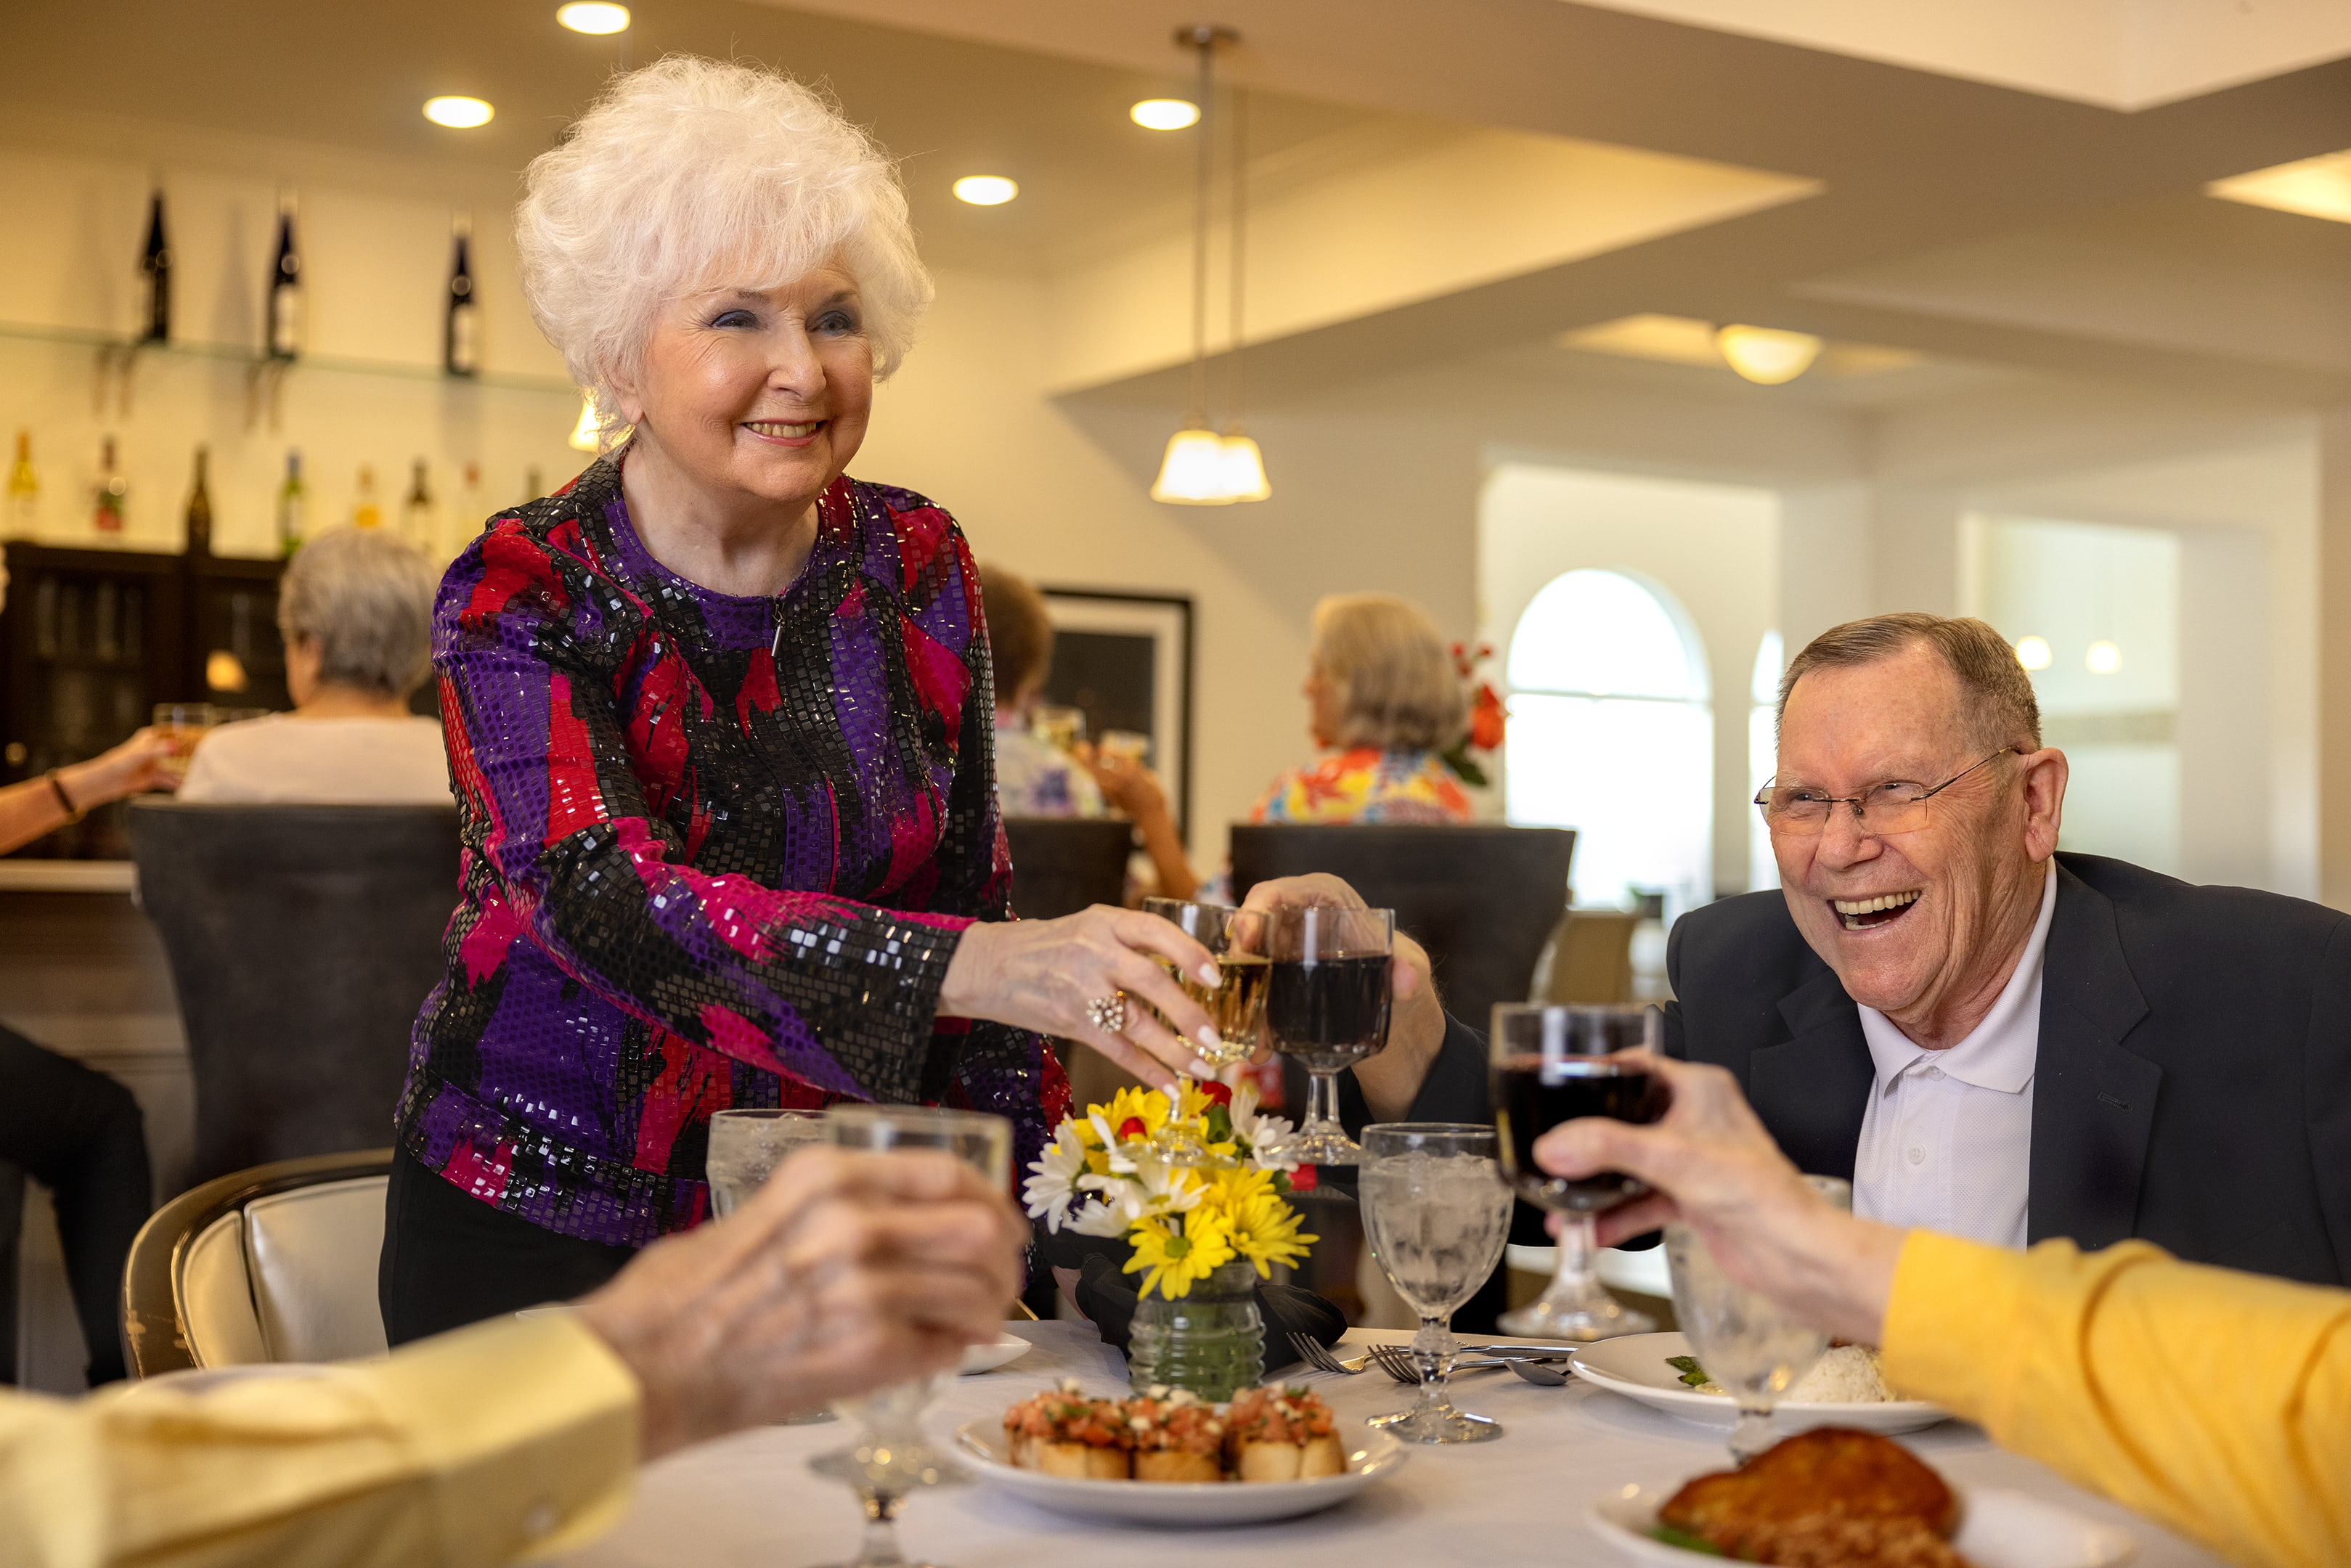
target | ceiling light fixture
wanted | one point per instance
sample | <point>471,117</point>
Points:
<point>458,112</point>
<point>2103,658</point>
<point>1165,113</point>
<point>1766,355</point>
<point>2316,187</point>
<point>986,189</point>
<point>597,17</point>
<point>2032,653</point>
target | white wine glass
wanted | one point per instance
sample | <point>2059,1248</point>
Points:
<point>889,1458</point>
<point>1235,1005</point>
<point>747,1144</point>
<point>1745,1343</point>
<point>1436,1214</point>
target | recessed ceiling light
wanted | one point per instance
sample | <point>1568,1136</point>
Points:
<point>986,189</point>
<point>1165,113</point>
<point>593,17</point>
<point>463,113</point>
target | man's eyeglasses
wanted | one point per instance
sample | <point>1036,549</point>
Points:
<point>1895,806</point>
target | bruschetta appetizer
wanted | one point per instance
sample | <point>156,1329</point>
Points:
<point>1281,1435</point>
<point>1067,1432</point>
<point>1179,1437</point>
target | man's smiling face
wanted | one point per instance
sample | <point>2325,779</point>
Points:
<point>1923,926</point>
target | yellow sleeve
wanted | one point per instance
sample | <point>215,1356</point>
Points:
<point>2217,1403</point>
<point>508,1439</point>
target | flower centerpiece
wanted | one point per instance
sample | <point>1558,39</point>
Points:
<point>1206,1225</point>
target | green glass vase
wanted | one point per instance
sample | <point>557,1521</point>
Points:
<point>1210,1341</point>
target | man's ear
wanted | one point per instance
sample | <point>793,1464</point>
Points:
<point>2045,772</point>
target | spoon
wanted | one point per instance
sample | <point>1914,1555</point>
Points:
<point>1536,1372</point>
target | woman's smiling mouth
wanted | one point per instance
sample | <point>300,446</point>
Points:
<point>778,430</point>
<point>1866,914</point>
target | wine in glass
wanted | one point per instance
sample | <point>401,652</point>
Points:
<point>1326,1003</point>
<point>1549,1064</point>
<point>1436,1213</point>
<point>889,1458</point>
<point>1746,1344</point>
<point>1235,1005</point>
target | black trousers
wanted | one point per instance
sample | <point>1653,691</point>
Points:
<point>78,1132</point>
<point>450,1259</point>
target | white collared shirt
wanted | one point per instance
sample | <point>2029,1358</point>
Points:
<point>1947,1139</point>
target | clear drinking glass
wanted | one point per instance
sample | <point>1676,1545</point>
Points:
<point>1745,1344</point>
<point>747,1144</point>
<point>1326,1003</point>
<point>184,724</point>
<point>1546,1067</point>
<point>889,1458</point>
<point>1436,1214</point>
<point>1057,725</point>
<point>1236,1005</point>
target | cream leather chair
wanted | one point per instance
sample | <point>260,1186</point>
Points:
<point>273,1264</point>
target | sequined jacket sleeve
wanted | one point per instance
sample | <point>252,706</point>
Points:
<point>536,643</point>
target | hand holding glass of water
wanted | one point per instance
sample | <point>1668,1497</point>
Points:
<point>1436,1214</point>
<point>747,1144</point>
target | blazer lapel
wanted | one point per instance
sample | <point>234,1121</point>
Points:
<point>1811,1090</point>
<point>2093,1102</point>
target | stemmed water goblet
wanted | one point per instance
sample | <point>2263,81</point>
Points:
<point>1326,1003</point>
<point>890,1457</point>
<point>1235,1005</point>
<point>1436,1214</point>
<point>1746,1344</point>
<point>747,1144</point>
<point>1552,1063</point>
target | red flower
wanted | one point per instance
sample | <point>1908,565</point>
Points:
<point>1132,1127</point>
<point>1486,719</point>
<point>1217,1093</point>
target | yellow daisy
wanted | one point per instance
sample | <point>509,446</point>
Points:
<point>1264,1230</point>
<point>1117,1122</point>
<point>1177,1254</point>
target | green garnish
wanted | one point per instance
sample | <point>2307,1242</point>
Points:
<point>1692,1373</point>
<point>1683,1538</point>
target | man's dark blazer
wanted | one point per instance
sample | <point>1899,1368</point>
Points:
<point>2193,1086</point>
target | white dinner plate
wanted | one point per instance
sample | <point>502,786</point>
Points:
<point>1999,1529</point>
<point>1007,1349</point>
<point>1181,1504</point>
<point>1635,1366</point>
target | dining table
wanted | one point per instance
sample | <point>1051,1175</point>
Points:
<point>749,1500</point>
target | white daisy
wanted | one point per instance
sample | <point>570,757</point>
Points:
<point>1264,1134</point>
<point>1049,1192</point>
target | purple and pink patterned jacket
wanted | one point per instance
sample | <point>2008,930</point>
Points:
<point>716,851</point>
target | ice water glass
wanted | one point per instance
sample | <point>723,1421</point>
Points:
<point>1326,1003</point>
<point>747,1144</point>
<point>1436,1214</point>
<point>1745,1343</point>
<point>889,1458</point>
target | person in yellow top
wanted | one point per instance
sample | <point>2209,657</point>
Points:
<point>2216,1403</point>
<point>517,1437</point>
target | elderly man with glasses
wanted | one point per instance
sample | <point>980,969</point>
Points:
<point>1992,1039</point>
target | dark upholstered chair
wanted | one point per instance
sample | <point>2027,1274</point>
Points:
<point>303,941</point>
<point>1062,864</point>
<point>1481,899</point>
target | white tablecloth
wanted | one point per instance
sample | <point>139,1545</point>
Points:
<point>749,1500</point>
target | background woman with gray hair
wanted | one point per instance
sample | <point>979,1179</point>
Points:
<point>1384,696</point>
<point>356,611</point>
<point>720,724</point>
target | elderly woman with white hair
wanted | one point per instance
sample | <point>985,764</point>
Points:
<point>720,723</point>
<point>355,609</point>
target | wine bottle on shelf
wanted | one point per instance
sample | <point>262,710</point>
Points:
<point>282,311</point>
<point>534,482</point>
<point>155,266</point>
<point>416,513</point>
<point>200,509</point>
<point>293,509</point>
<point>365,512</point>
<point>23,488</point>
<point>461,344</point>
<point>113,491</point>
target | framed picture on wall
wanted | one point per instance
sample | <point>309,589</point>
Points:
<point>1124,660</point>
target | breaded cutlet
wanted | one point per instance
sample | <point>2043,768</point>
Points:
<point>1831,1471</point>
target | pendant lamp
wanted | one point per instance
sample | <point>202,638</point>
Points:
<point>1244,466</point>
<point>1766,355</point>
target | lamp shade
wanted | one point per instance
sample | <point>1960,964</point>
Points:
<point>1193,473</point>
<point>1244,469</point>
<point>1766,355</point>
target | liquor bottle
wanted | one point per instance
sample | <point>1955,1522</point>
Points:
<point>293,509</point>
<point>23,488</point>
<point>200,509</point>
<point>472,512</point>
<point>534,483</point>
<point>113,491</point>
<point>155,264</point>
<point>282,311</point>
<point>461,344</point>
<point>365,513</point>
<point>416,513</point>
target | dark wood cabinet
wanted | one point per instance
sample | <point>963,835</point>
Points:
<point>91,640</point>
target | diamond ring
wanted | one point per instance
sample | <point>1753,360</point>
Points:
<point>1108,1013</point>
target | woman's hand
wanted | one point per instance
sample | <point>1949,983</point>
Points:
<point>848,1270</point>
<point>1042,974</point>
<point>1132,788</point>
<point>1715,1168</point>
<point>139,763</point>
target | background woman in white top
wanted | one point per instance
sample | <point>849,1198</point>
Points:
<point>356,611</point>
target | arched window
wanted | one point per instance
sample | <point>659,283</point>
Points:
<point>1763,755</point>
<point>1610,734</point>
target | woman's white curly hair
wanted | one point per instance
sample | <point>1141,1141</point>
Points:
<point>691,173</point>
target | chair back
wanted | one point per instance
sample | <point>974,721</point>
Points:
<point>1589,958</point>
<point>1062,864</point>
<point>273,1264</point>
<point>1480,898</point>
<point>303,941</point>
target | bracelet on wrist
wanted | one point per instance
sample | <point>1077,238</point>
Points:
<point>58,788</point>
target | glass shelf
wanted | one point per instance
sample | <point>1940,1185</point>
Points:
<point>107,343</point>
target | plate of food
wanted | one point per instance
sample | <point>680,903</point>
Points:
<point>1164,1457</point>
<point>1846,1389</point>
<point>1002,1351</point>
<point>1852,1498</point>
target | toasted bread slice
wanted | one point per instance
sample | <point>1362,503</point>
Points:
<point>1317,1457</point>
<point>1081,1461</point>
<point>1831,1471</point>
<point>1321,1457</point>
<point>1175,1465</point>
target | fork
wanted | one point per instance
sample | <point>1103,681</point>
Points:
<point>1312,1352</point>
<point>1397,1363</point>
